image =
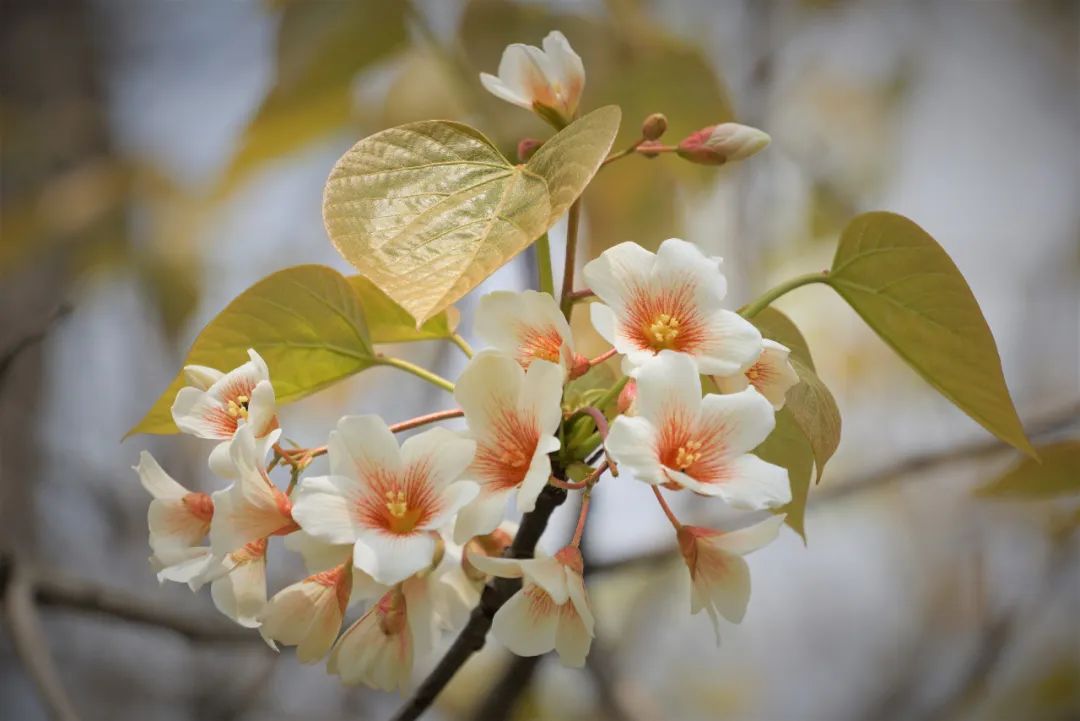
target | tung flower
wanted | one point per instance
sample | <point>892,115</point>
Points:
<point>238,583</point>
<point>669,300</point>
<point>551,611</point>
<point>771,374</point>
<point>683,440</point>
<point>385,500</point>
<point>527,326</point>
<point>308,614</point>
<point>720,577</point>
<point>547,81</point>
<point>218,403</point>
<point>513,414</point>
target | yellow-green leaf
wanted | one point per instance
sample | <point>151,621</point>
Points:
<point>1055,473</point>
<point>812,406</point>
<point>388,322</point>
<point>905,286</point>
<point>569,160</point>
<point>321,46</point>
<point>428,210</point>
<point>786,446</point>
<point>305,321</point>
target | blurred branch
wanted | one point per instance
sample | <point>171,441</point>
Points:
<point>30,339</point>
<point>503,696</point>
<point>51,588</point>
<point>30,643</point>
<point>1038,429</point>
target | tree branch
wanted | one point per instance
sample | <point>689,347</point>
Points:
<point>471,638</point>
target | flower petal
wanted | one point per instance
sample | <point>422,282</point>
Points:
<point>481,516</point>
<point>155,480</point>
<point>455,497</point>
<point>668,385</point>
<point>527,623</point>
<point>445,453</point>
<point>323,506</point>
<point>490,382</point>
<point>739,421</point>
<point>391,558</point>
<point>746,540</point>
<point>369,446</point>
<point>548,574</point>
<point>632,443</point>
<point>731,344</point>
<point>754,485</point>
<point>619,269</point>
<point>241,594</point>
<point>572,640</point>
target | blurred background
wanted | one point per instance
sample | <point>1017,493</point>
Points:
<point>160,156</point>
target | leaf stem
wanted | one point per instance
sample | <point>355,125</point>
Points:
<point>432,378</point>
<point>463,344</point>
<point>768,297</point>
<point>572,222</point>
<point>546,281</point>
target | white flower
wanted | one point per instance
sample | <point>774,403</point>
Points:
<point>252,508</point>
<point>544,80</point>
<point>682,440</point>
<point>219,403</point>
<point>772,375</point>
<point>238,583</point>
<point>378,649</point>
<point>527,326</point>
<point>513,414</point>
<point>720,577</point>
<point>551,611</point>
<point>386,501</point>
<point>308,614</point>
<point>669,301</point>
<point>178,520</point>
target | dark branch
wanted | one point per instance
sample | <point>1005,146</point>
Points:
<point>471,639</point>
<point>503,696</point>
<point>29,340</point>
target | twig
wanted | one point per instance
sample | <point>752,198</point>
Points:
<point>30,642</point>
<point>31,339</point>
<point>471,639</point>
<point>502,698</point>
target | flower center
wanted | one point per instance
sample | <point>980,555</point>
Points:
<point>664,330</point>
<point>403,518</point>
<point>687,455</point>
<point>238,407</point>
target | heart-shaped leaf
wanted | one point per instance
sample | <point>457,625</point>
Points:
<point>388,322</point>
<point>812,405</point>
<point>305,321</point>
<point>905,286</point>
<point>1056,473</point>
<point>787,446</point>
<point>428,210</point>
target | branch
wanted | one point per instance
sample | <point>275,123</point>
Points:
<point>503,696</point>
<point>31,339</point>
<point>471,639</point>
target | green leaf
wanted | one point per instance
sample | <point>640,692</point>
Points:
<point>428,210</point>
<point>321,46</point>
<point>1056,473</point>
<point>905,286</point>
<point>812,405</point>
<point>388,322</point>
<point>569,160</point>
<point>787,446</point>
<point>305,321</point>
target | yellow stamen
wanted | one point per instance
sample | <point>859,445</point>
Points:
<point>664,330</point>
<point>396,503</point>
<point>688,455</point>
<point>238,408</point>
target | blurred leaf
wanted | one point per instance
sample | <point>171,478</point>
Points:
<point>305,321</point>
<point>424,87</point>
<point>812,405</point>
<point>388,322</point>
<point>570,159</point>
<point>905,286</point>
<point>1055,473</point>
<point>428,210</point>
<point>321,46</point>
<point>787,446</point>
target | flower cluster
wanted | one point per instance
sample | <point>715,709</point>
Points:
<point>413,531</point>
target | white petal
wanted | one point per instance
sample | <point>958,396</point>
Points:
<point>201,377</point>
<point>497,566</point>
<point>173,525</point>
<point>732,383</point>
<point>678,261</point>
<point>419,613</point>
<point>572,640</point>
<point>751,538</point>
<point>732,345</point>
<point>541,393</point>
<point>443,452</point>
<point>481,516</point>
<point>455,497</point>
<point>220,461</point>
<point>619,269</point>
<point>197,413</point>
<point>499,89</point>
<point>322,506</point>
<point>536,478</point>
<point>262,408</point>
<point>548,574</point>
<point>241,594</point>
<point>632,443</point>
<point>306,615</point>
<point>155,480</point>
<point>185,567</point>
<point>727,590</point>
<point>668,385</point>
<point>741,421</point>
<point>318,554</point>
<point>606,324</point>
<point>391,558</point>
<point>755,485</point>
<point>777,376</point>
<point>489,382</point>
<point>575,584</point>
<point>369,444</point>
<point>568,68</point>
<point>521,629</point>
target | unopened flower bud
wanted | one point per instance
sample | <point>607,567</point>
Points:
<point>719,144</point>
<point>579,367</point>
<point>492,545</point>
<point>654,126</point>
<point>627,396</point>
<point>527,147</point>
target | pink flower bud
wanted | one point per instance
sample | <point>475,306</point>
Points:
<point>527,147</point>
<point>719,144</point>
<point>627,396</point>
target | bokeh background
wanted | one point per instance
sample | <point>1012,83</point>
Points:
<point>160,156</point>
